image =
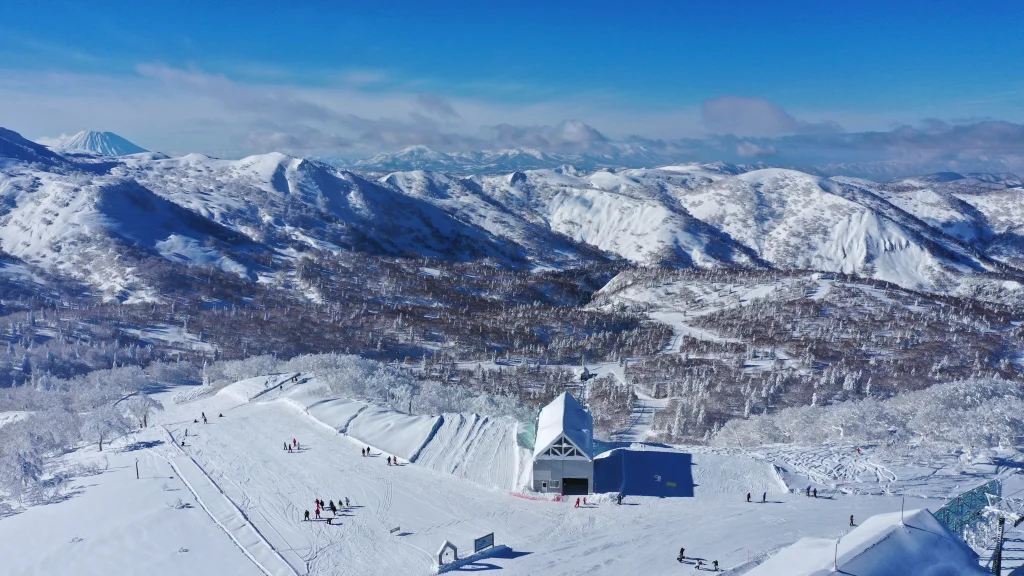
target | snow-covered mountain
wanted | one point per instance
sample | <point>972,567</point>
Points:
<point>69,213</point>
<point>613,154</point>
<point>102,143</point>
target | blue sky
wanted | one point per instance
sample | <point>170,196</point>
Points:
<point>215,76</point>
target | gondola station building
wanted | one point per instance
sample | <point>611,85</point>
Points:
<point>563,455</point>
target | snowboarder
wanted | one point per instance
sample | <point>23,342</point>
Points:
<point>195,420</point>
<point>682,554</point>
<point>748,496</point>
<point>715,564</point>
<point>815,492</point>
<point>577,503</point>
<point>700,564</point>
<point>764,497</point>
<point>221,415</point>
<point>307,515</point>
<point>851,519</point>
<point>182,443</point>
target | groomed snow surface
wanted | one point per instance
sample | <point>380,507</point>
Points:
<point>459,476</point>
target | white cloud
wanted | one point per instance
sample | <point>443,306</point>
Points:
<point>53,142</point>
<point>743,116</point>
<point>747,149</point>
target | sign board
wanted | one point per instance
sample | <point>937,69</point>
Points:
<point>657,478</point>
<point>483,542</point>
<point>670,484</point>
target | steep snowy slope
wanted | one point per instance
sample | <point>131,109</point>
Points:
<point>622,214</point>
<point>798,221</point>
<point>982,210</point>
<point>102,143</point>
<point>81,226</point>
<point>280,200</point>
<point>16,150</point>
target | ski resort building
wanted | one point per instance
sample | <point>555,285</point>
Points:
<point>563,455</point>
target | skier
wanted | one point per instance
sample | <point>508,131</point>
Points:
<point>389,460</point>
<point>764,497</point>
<point>186,432</point>
<point>851,520</point>
<point>294,442</point>
<point>815,492</point>
<point>298,446</point>
<point>584,500</point>
<point>346,502</point>
<point>700,564</point>
<point>285,445</point>
<point>748,496</point>
<point>318,513</point>
<point>362,451</point>
<point>334,510</point>
<point>620,499</point>
<point>682,554</point>
<point>808,491</point>
<point>577,503</point>
<point>182,443</point>
<point>307,515</point>
<point>204,418</point>
<point>715,563</point>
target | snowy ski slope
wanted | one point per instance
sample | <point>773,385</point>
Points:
<point>247,495</point>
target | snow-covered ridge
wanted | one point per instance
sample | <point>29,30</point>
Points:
<point>922,234</point>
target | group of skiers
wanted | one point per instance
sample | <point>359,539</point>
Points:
<point>295,444</point>
<point>809,492</point>
<point>618,500</point>
<point>319,505</point>
<point>196,421</point>
<point>392,460</point>
<point>764,497</point>
<point>700,561</point>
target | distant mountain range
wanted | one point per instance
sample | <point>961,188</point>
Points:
<point>78,215</point>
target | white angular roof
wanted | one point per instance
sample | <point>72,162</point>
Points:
<point>880,546</point>
<point>565,415</point>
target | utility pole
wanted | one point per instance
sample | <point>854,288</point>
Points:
<point>997,558</point>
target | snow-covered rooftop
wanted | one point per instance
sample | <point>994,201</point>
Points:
<point>565,415</point>
<point>879,547</point>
